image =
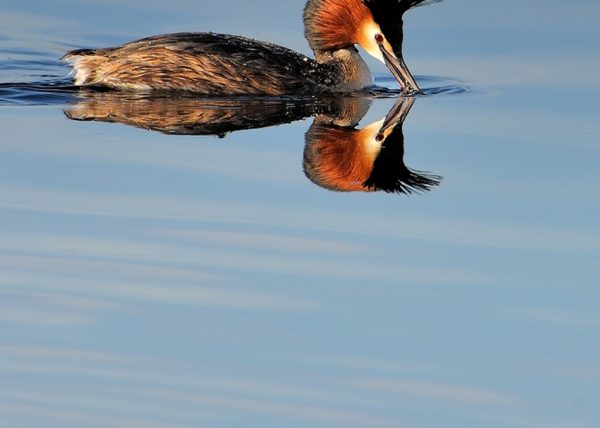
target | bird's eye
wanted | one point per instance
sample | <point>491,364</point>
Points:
<point>379,38</point>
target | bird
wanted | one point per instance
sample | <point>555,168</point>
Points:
<point>211,64</point>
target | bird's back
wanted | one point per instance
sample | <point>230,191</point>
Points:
<point>204,63</point>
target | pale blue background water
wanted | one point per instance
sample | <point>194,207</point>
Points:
<point>159,281</point>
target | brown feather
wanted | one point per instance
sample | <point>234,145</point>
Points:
<point>203,63</point>
<point>334,24</point>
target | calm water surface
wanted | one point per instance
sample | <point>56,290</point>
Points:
<point>154,280</point>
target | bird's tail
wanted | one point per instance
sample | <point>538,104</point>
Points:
<point>86,64</point>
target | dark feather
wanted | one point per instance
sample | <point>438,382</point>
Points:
<point>208,63</point>
<point>388,14</point>
<point>391,8</point>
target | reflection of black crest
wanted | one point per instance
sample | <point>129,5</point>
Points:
<point>391,174</point>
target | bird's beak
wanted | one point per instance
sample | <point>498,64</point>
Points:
<point>400,71</point>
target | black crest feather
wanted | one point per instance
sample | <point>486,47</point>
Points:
<point>388,14</point>
<point>393,7</point>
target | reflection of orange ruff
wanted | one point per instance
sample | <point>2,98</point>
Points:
<point>342,159</point>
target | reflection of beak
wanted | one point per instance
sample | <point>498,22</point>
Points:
<point>400,71</point>
<point>395,116</point>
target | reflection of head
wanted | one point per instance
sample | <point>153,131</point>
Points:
<point>337,159</point>
<point>349,159</point>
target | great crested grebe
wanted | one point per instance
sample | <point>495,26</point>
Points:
<point>221,65</point>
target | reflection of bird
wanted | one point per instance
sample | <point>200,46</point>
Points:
<point>343,158</point>
<point>185,115</point>
<point>217,64</point>
<point>337,156</point>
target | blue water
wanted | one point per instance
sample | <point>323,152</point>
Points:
<point>156,280</point>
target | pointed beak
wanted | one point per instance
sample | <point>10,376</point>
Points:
<point>400,71</point>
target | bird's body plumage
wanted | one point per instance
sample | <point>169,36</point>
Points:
<point>208,64</point>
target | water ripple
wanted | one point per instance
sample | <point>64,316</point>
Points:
<point>387,86</point>
<point>43,93</point>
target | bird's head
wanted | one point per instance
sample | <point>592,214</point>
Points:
<point>376,25</point>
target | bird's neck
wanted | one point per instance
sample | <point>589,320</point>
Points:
<point>345,69</point>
